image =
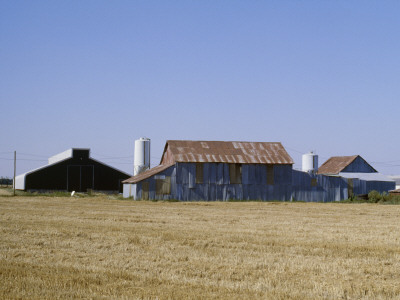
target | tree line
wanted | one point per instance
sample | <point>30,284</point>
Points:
<point>5,181</point>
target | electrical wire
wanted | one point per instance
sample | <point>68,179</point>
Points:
<point>20,153</point>
<point>28,159</point>
<point>112,157</point>
<point>291,149</point>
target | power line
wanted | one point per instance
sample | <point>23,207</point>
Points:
<point>385,162</point>
<point>120,163</point>
<point>126,160</point>
<point>113,157</point>
<point>291,149</point>
<point>19,153</point>
<point>26,159</point>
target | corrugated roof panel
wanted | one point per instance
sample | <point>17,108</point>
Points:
<point>147,174</point>
<point>336,164</point>
<point>200,158</point>
<point>229,152</point>
<point>366,176</point>
<point>240,159</point>
<point>191,157</point>
<point>204,145</point>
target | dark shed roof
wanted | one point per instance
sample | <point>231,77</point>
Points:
<point>225,152</point>
<point>337,164</point>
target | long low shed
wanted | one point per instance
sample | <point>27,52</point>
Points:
<point>328,188</point>
<point>72,170</point>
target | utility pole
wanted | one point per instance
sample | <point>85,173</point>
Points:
<point>15,167</point>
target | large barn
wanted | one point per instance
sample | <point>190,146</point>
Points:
<point>213,170</point>
<point>72,170</point>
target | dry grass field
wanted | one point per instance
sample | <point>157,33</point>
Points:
<point>107,249</point>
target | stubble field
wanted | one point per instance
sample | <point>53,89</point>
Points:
<point>102,248</point>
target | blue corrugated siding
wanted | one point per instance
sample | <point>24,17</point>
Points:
<point>328,188</point>
<point>288,184</point>
<point>171,172</point>
<point>359,165</point>
<point>332,188</point>
<point>380,186</point>
<point>216,183</point>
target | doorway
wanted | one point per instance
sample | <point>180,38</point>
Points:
<point>80,178</point>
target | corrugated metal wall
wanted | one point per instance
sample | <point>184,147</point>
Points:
<point>216,183</point>
<point>327,189</point>
<point>359,165</point>
<point>333,188</point>
<point>287,184</point>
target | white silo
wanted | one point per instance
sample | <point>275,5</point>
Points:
<point>142,156</point>
<point>309,162</point>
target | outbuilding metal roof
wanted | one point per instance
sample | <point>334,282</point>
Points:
<point>366,176</point>
<point>336,164</point>
<point>146,174</point>
<point>217,152</point>
<point>226,152</point>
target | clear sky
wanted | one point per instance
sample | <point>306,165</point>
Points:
<point>314,75</point>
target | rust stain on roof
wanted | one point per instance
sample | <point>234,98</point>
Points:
<point>217,152</point>
<point>228,152</point>
<point>336,164</point>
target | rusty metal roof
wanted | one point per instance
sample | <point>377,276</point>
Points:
<point>336,164</point>
<point>226,152</point>
<point>148,173</point>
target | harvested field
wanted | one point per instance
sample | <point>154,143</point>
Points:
<point>5,191</point>
<point>103,248</point>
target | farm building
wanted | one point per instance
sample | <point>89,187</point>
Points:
<point>395,192</point>
<point>72,170</point>
<point>326,188</point>
<point>361,177</point>
<point>212,170</point>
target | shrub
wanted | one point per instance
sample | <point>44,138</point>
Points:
<point>384,198</point>
<point>374,197</point>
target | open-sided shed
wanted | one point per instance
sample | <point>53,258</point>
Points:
<point>72,170</point>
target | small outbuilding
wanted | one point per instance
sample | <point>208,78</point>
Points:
<point>72,170</point>
<point>394,192</point>
<point>361,177</point>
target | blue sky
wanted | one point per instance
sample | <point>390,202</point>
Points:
<point>314,75</point>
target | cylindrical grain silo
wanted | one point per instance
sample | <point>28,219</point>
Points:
<point>142,155</point>
<point>309,162</point>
